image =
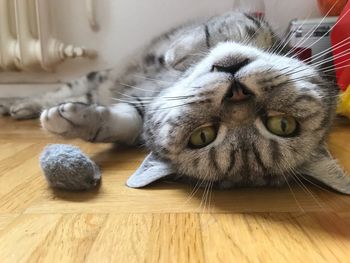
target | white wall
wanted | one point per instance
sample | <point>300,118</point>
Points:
<point>126,25</point>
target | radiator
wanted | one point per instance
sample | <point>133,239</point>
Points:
<point>26,39</point>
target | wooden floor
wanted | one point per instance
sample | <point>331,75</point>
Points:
<point>164,222</point>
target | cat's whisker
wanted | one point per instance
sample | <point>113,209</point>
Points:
<point>280,47</point>
<point>152,79</point>
<point>295,177</point>
<point>144,100</point>
<point>246,40</point>
<point>293,194</point>
<point>202,204</point>
<point>337,65</point>
<point>150,101</point>
<point>138,88</point>
<point>295,79</point>
<point>210,194</point>
<point>337,68</point>
<point>295,71</point>
<point>206,196</point>
<point>286,41</point>
<point>290,71</point>
<point>137,101</point>
<point>179,105</point>
<point>293,51</point>
<point>307,191</point>
<point>279,75</point>
<point>202,197</point>
<point>195,189</point>
<point>332,48</point>
<point>273,48</point>
<point>134,87</point>
<point>198,185</point>
<point>327,32</point>
<point>252,37</point>
<point>193,192</point>
<point>316,185</point>
<point>330,78</point>
<point>303,40</point>
<point>330,59</point>
<point>131,101</point>
<point>155,96</point>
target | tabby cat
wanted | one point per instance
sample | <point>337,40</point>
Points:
<point>219,101</point>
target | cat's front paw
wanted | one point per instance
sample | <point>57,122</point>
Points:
<point>73,120</point>
<point>52,121</point>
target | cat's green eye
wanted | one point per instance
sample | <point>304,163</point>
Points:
<point>202,137</point>
<point>282,125</point>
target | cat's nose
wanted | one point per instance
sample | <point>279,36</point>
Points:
<point>238,92</point>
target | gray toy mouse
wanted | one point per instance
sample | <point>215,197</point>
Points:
<point>67,167</point>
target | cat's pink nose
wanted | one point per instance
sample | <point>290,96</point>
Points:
<point>238,92</point>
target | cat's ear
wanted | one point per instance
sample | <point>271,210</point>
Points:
<point>151,170</point>
<point>323,168</point>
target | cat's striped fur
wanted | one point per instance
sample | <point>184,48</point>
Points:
<point>170,90</point>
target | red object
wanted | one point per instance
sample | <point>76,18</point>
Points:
<point>331,7</point>
<point>340,32</point>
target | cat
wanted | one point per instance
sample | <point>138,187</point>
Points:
<point>220,101</point>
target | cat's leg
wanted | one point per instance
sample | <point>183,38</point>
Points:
<point>5,105</point>
<point>119,123</point>
<point>79,90</point>
<point>29,108</point>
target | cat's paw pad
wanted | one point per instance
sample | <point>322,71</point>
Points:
<point>52,121</point>
<point>72,119</point>
<point>25,110</point>
<point>81,114</point>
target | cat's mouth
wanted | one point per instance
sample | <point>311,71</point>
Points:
<point>238,92</point>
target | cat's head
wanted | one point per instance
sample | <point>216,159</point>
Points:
<point>242,116</point>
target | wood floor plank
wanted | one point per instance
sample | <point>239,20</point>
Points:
<point>19,157</point>
<point>284,237</point>
<point>10,149</point>
<point>23,236</point>
<point>175,238</point>
<point>124,238</point>
<point>70,240</point>
<point>22,194</point>
<point>149,238</point>
<point>6,219</point>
